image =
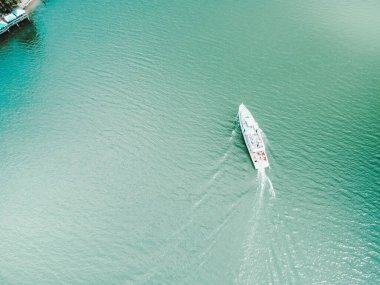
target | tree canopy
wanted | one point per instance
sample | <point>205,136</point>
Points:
<point>7,6</point>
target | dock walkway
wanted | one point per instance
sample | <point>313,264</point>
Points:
<point>12,19</point>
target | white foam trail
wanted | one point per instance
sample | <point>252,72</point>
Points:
<point>233,133</point>
<point>246,269</point>
<point>251,247</point>
<point>225,156</point>
<point>264,181</point>
<point>219,168</point>
<point>236,125</point>
<point>271,189</point>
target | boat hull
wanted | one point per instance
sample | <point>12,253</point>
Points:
<point>253,139</point>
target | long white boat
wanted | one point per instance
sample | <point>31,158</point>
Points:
<point>253,138</point>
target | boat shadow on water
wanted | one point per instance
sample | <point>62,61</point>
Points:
<point>25,33</point>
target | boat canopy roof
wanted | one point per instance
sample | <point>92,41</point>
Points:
<point>9,17</point>
<point>18,12</point>
<point>2,24</point>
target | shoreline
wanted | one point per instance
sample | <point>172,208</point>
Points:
<point>29,5</point>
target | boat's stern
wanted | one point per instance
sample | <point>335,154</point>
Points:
<point>260,160</point>
<point>261,164</point>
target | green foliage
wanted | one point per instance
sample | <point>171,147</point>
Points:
<point>7,6</point>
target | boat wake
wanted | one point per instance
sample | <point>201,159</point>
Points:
<point>253,247</point>
<point>219,167</point>
<point>265,182</point>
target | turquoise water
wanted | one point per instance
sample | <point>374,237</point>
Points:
<point>121,161</point>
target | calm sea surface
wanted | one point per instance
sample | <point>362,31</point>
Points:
<point>121,160</point>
